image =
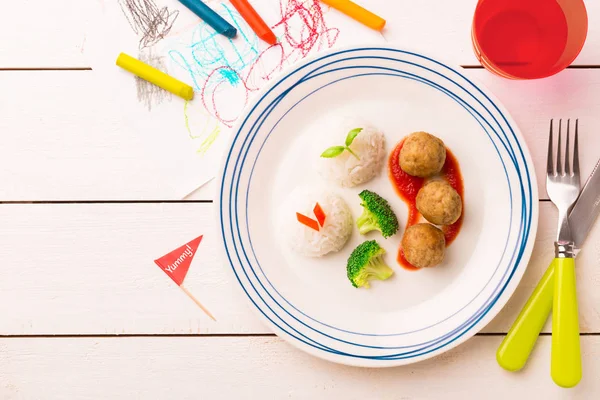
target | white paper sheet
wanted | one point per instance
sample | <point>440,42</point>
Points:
<point>187,139</point>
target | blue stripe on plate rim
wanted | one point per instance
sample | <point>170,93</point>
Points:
<point>526,213</point>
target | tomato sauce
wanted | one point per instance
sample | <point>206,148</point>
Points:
<point>407,187</point>
<point>404,262</point>
<point>451,174</point>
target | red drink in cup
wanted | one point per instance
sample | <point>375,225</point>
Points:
<point>528,39</point>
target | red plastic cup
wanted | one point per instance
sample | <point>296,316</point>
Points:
<point>528,39</point>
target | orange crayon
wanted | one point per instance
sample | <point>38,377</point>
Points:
<point>258,25</point>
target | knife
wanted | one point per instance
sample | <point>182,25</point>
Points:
<point>586,208</point>
<point>520,339</point>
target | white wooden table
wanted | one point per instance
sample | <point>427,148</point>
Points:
<point>84,313</point>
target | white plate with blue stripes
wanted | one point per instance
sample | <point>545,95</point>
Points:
<point>415,314</point>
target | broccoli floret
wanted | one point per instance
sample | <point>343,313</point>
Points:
<point>377,215</point>
<point>366,263</point>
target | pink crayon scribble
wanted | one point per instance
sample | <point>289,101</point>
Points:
<point>313,31</point>
<point>239,66</point>
<point>209,100</point>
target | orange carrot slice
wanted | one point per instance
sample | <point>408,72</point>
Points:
<point>320,214</point>
<point>311,223</point>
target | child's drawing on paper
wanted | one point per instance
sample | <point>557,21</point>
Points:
<point>225,73</point>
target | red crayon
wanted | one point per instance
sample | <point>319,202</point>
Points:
<point>257,24</point>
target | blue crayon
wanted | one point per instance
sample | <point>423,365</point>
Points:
<point>210,17</point>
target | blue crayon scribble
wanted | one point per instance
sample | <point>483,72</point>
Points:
<point>207,51</point>
<point>230,75</point>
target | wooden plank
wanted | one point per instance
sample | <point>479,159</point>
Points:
<point>267,368</point>
<point>572,94</point>
<point>88,269</point>
<point>442,29</point>
<point>60,143</point>
<point>43,34</point>
<point>63,141</point>
<point>53,34</point>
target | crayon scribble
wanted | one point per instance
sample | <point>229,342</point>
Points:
<point>148,93</point>
<point>147,20</point>
<point>208,139</point>
<point>313,31</point>
<point>209,52</point>
<point>217,65</point>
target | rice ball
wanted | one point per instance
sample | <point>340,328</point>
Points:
<point>424,245</point>
<point>331,237</point>
<point>346,170</point>
<point>439,203</point>
<point>422,155</point>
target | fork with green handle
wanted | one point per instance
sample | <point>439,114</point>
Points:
<point>520,340</point>
<point>518,343</point>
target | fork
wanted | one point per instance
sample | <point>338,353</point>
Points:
<point>563,186</point>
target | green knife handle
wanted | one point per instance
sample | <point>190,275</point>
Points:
<point>566,352</point>
<point>520,339</point>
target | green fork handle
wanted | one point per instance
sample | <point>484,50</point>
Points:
<point>520,339</point>
<point>566,351</point>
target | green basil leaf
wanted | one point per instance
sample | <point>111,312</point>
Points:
<point>333,151</point>
<point>353,153</point>
<point>351,135</point>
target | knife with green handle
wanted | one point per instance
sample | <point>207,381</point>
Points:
<point>520,339</point>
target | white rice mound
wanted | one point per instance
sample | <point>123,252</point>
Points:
<point>331,237</point>
<point>348,171</point>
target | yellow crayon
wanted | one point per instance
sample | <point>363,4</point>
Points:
<point>155,76</point>
<point>358,13</point>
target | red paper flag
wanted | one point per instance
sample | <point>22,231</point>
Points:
<point>177,263</point>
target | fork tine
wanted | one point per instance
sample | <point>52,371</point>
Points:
<point>550,165</point>
<point>559,169</point>
<point>576,150</point>
<point>567,151</point>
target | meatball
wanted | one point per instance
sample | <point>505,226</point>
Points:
<point>422,155</point>
<point>439,203</point>
<point>423,245</point>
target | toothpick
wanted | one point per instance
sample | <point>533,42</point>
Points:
<point>197,303</point>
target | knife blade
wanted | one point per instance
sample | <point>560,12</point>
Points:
<point>586,209</point>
